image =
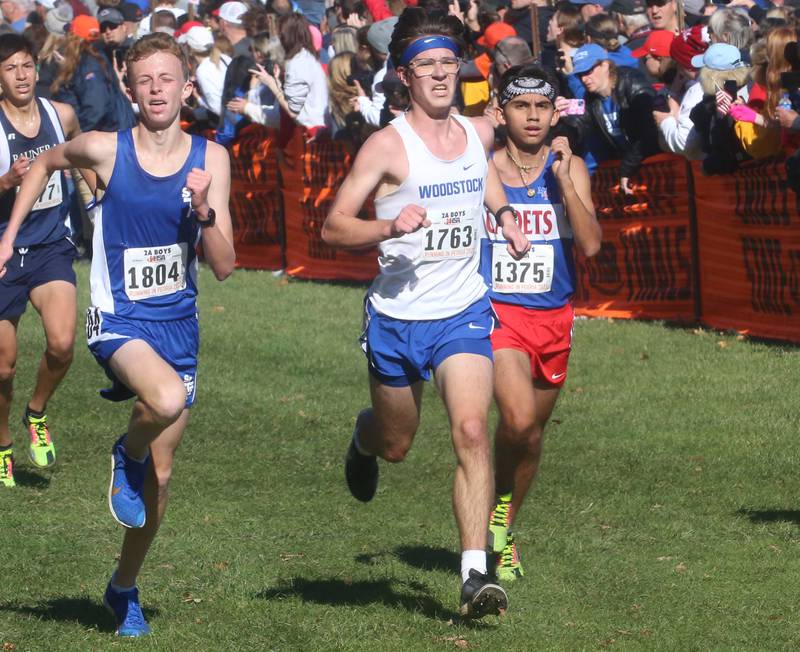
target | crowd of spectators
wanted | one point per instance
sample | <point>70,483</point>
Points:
<point>709,81</point>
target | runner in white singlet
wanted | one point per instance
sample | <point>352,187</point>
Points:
<point>427,310</point>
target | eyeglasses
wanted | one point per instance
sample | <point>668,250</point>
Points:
<point>426,67</point>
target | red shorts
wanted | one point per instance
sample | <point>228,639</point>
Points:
<point>545,335</point>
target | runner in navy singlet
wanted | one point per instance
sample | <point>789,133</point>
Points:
<point>40,269</point>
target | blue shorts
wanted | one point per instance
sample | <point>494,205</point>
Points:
<point>31,267</point>
<point>177,342</point>
<point>401,352</point>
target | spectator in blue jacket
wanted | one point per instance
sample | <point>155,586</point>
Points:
<point>86,82</point>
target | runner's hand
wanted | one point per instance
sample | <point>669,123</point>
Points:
<point>518,244</point>
<point>6,251</point>
<point>14,176</point>
<point>412,218</point>
<point>198,182</point>
<point>561,166</point>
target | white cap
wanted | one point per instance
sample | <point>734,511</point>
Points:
<point>232,12</point>
<point>198,39</point>
<point>47,4</point>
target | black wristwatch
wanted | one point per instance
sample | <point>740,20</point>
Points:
<point>211,217</point>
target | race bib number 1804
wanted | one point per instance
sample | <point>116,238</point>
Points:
<point>532,274</point>
<point>451,234</point>
<point>155,271</point>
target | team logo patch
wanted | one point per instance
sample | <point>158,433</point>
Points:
<point>188,382</point>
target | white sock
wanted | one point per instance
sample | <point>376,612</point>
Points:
<point>472,559</point>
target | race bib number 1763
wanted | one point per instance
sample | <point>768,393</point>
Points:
<point>451,235</point>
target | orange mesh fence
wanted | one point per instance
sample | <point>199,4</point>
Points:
<point>749,239</point>
<point>644,269</point>
<point>312,173</point>
<point>256,201</point>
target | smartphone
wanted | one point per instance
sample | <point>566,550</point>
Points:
<point>730,88</point>
<point>574,107</point>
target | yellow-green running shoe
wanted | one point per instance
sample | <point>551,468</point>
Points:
<point>7,468</point>
<point>41,451</point>
<point>509,567</point>
<point>499,523</point>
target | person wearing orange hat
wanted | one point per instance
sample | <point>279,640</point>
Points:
<point>85,28</point>
<point>88,85</point>
<point>475,89</point>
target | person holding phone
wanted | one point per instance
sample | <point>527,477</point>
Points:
<point>618,123</point>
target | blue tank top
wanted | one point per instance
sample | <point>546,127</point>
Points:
<point>48,219</point>
<point>144,264</point>
<point>545,278</point>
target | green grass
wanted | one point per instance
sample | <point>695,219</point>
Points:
<point>665,516</point>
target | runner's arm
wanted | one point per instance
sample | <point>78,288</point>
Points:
<point>86,151</point>
<point>218,239</point>
<point>495,198</point>
<point>342,227</point>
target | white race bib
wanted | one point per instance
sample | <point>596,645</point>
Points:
<point>51,196</point>
<point>155,271</point>
<point>532,274</point>
<point>451,235</point>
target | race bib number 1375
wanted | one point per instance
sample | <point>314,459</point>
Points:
<point>155,271</point>
<point>533,274</point>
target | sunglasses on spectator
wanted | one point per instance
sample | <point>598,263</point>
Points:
<point>106,27</point>
<point>426,67</point>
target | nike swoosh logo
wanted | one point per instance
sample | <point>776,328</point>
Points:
<point>476,328</point>
<point>467,167</point>
<point>558,376</point>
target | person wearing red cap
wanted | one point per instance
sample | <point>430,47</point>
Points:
<point>673,106</point>
<point>654,52</point>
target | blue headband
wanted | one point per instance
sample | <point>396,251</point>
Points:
<point>428,43</point>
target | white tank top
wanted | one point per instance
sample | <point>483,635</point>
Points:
<point>433,273</point>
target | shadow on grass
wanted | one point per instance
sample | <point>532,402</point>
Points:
<point>26,478</point>
<point>428,558</point>
<point>771,515</point>
<point>90,614</point>
<point>411,596</point>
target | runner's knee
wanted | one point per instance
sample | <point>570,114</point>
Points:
<point>470,433</point>
<point>7,371</point>
<point>168,401</point>
<point>60,349</point>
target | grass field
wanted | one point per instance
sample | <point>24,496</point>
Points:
<point>665,516</point>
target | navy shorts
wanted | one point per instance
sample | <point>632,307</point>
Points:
<point>31,267</point>
<point>177,342</point>
<point>401,352</point>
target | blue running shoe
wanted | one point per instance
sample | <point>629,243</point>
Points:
<point>127,612</point>
<point>125,499</point>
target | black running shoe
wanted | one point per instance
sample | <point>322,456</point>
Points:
<point>361,473</point>
<point>480,597</point>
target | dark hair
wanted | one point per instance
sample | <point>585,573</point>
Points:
<point>10,44</point>
<point>163,18</point>
<point>415,22</point>
<point>294,34</point>
<point>527,70</point>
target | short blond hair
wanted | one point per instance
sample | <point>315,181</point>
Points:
<point>153,43</point>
